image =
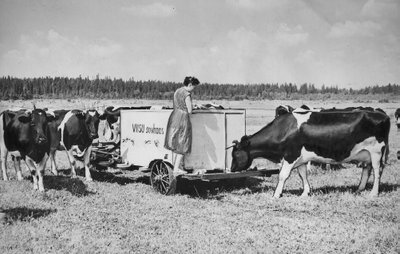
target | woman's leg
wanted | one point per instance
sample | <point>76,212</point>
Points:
<point>177,164</point>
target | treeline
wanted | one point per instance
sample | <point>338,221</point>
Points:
<point>107,88</point>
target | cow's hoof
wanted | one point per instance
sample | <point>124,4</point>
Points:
<point>304,195</point>
<point>373,195</point>
<point>54,173</point>
<point>89,179</point>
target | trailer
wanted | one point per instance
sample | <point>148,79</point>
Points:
<point>142,145</point>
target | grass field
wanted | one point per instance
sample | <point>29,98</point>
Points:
<point>121,213</point>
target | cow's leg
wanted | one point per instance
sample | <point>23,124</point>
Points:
<point>53,164</point>
<point>303,175</point>
<point>17,167</point>
<point>40,172</point>
<point>308,166</point>
<point>376,165</point>
<point>283,175</point>
<point>3,154</point>
<point>72,162</point>
<point>366,172</point>
<point>32,168</point>
<point>86,161</point>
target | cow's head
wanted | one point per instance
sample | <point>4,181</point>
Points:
<point>397,116</point>
<point>240,155</point>
<point>37,120</point>
<point>112,118</point>
<point>92,120</point>
<point>110,115</point>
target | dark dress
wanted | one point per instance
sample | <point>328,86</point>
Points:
<point>179,129</point>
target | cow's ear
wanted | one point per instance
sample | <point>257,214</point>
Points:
<point>9,114</point>
<point>80,115</point>
<point>50,117</point>
<point>244,142</point>
<point>103,116</point>
<point>26,118</point>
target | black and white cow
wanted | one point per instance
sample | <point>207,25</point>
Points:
<point>73,131</point>
<point>25,136</point>
<point>328,137</point>
<point>397,116</point>
<point>5,118</point>
<point>112,117</point>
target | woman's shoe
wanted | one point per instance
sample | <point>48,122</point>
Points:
<point>178,172</point>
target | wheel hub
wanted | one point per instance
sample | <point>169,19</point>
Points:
<point>158,178</point>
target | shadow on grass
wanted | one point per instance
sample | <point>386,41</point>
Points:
<point>74,185</point>
<point>103,176</point>
<point>383,188</point>
<point>215,189</point>
<point>24,214</point>
<point>115,177</point>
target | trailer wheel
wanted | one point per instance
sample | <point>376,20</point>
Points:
<point>161,177</point>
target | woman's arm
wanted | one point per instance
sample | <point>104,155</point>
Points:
<point>188,101</point>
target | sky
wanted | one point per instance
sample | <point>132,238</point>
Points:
<point>345,43</point>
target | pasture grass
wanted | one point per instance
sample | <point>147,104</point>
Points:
<point>121,213</point>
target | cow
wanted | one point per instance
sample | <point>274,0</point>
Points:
<point>112,117</point>
<point>73,131</point>
<point>328,137</point>
<point>26,136</point>
<point>5,118</point>
<point>397,116</point>
<point>285,109</point>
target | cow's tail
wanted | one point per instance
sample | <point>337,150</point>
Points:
<point>385,154</point>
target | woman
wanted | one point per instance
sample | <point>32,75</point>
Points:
<point>179,129</point>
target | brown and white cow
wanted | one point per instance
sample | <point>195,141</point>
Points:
<point>73,131</point>
<point>25,135</point>
<point>333,136</point>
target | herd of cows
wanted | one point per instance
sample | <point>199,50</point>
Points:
<point>294,138</point>
<point>35,136</point>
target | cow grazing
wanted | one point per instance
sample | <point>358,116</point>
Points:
<point>25,134</point>
<point>397,116</point>
<point>73,131</point>
<point>328,137</point>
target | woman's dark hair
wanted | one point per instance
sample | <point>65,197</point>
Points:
<point>191,80</point>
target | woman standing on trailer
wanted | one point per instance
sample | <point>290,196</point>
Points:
<point>178,138</point>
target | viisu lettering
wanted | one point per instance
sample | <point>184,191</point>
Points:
<point>141,128</point>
